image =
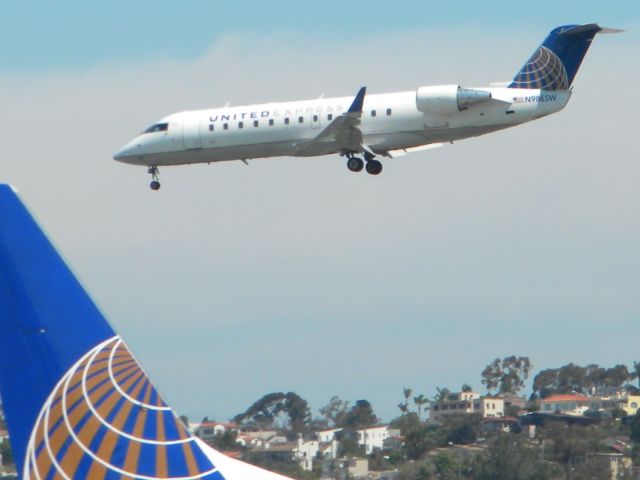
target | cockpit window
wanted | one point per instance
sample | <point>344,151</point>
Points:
<point>158,127</point>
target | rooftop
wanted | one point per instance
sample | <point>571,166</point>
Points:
<point>568,397</point>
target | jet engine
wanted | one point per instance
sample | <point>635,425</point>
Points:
<point>448,99</point>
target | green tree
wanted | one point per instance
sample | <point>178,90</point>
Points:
<point>466,388</point>
<point>349,447</point>
<point>226,441</point>
<point>405,405</point>
<point>462,428</point>
<point>264,412</point>
<point>591,468</point>
<point>634,428</point>
<point>360,416</point>
<point>575,378</point>
<point>406,423</point>
<point>442,394</point>
<point>418,441</point>
<point>335,411</point>
<point>570,445</point>
<point>447,466</point>
<point>507,375</point>
<point>420,401</point>
<point>509,458</point>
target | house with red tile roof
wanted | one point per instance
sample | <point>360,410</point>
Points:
<point>568,403</point>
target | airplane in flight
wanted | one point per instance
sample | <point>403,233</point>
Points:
<point>366,127</point>
<point>77,403</point>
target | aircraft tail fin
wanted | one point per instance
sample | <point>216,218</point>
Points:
<point>554,64</point>
<point>77,403</point>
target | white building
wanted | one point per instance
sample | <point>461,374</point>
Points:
<point>374,437</point>
<point>301,452</point>
<point>207,431</point>
<point>327,435</point>
<point>467,403</point>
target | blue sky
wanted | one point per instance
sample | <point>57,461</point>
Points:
<point>293,274</point>
<point>77,34</point>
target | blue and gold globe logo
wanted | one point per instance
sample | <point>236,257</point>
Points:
<point>105,419</point>
<point>544,70</point>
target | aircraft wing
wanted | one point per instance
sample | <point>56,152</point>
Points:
<point>404,151</point>
<point>342,134</point>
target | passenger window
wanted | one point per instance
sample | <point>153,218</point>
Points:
<point>211,127</point>
<point>388,111</point>
<point>225,126</point>
<point>315,118</point>
<point>330,116</point>
<point>240,124</point>
<point>300,119</point>
<point>271,122</point>
<point>286,121</point>
<point>373,113</point>
<point>255,123</point>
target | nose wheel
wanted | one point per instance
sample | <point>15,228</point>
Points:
<point>155,183</point>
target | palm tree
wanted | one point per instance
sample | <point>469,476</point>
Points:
<point>420,400</point>
<point>442,394</point>
<point>407,395</point>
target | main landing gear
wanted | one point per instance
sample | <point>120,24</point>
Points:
<point>356,164</point>
<point>153,171</point>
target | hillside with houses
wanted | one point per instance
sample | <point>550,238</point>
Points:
<point>578,423</point>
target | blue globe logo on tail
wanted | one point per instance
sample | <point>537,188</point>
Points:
<point>544,70</point>
<point>104,419</point>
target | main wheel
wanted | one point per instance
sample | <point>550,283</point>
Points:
<point>374,167</point>
<point>355,164</point>
<point>155,185</point>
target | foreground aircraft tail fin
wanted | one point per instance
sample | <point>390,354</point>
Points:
<point>77,403</point>
<point>554,64</point>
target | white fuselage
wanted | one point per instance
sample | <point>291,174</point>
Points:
<point>388,123</point>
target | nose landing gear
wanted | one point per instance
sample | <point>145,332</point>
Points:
<point>153,171</point>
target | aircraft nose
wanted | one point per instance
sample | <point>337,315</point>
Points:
<point>128,153</point>
<point>120,154</point>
